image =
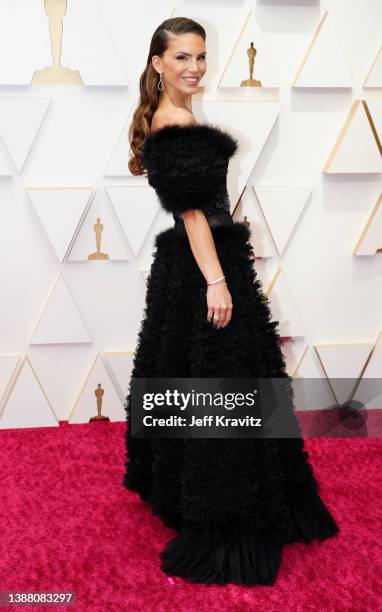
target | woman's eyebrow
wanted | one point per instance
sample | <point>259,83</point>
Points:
<point>185,53</point>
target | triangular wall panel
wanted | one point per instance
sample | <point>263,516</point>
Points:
<point>324,63</point>
<point>20,121</point>
<point>98,239</point>
<point>86,404</point>
<point>60,321</point>
<point>282,206</point>
<point>121,364</point>
<point>249,211</point>
<point>312,389</point>
<point>343,364</point>
<point>283,307</point>
<point>27,404</point>
<point>358,147</point>
<point>117,164</point>
<point>60,211</point>
<point>293,351</point>
<point>236,71</point>
<point>136,208</point>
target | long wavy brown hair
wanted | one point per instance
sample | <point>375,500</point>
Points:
<point>148,85</point>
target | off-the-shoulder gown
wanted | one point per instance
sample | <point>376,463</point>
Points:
<point>233,503</point>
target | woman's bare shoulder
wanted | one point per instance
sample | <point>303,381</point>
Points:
<point>180,116</point>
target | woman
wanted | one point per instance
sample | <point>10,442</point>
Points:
<point>232,502</point>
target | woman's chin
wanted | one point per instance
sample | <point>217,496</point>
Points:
<point>187,87</point>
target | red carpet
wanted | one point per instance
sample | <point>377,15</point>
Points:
<point>67,524</point>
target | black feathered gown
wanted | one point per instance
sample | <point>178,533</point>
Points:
<point>232,502</point>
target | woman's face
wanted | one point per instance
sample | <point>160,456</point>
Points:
<point>184,62</point>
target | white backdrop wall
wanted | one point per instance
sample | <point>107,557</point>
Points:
<point>67,323</point>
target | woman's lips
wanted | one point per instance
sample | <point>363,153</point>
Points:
<point>191,80</point>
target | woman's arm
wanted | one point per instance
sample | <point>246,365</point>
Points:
<point>202,244</point>
<point>178,173</point>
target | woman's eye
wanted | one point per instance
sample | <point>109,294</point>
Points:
<point>202,57</point>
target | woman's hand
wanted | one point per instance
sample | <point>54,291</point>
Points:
<point>219,303</point>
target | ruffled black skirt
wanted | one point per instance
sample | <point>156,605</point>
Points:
<point>233,503</point>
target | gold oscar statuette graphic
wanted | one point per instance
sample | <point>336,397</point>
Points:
<point>98,228</point>
<point>99,395</point>
<point>246,222</point>
<point>251,82</point>
<point>56,74</point>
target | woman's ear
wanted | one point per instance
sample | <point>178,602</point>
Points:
<point>156,63</point>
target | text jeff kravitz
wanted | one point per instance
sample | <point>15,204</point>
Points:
<point>206,421</point>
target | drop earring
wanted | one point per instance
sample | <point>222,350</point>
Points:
<point>160,82</point>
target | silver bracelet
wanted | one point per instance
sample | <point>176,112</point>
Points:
<point>217,280</point>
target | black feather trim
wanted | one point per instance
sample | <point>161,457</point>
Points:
<point>224,141</point>
<point>187,164</point>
